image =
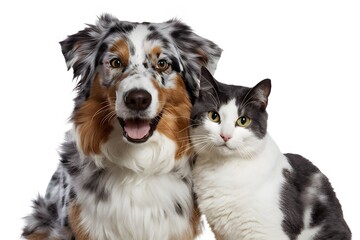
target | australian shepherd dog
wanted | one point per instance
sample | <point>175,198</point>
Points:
<point>124,171</point>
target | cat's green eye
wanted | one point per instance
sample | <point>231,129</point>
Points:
<point>243,122</point>
<point>214,116</point>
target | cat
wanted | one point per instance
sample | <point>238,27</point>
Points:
<point>244,185</point>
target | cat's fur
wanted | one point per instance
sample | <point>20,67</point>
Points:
<point>245,186</point>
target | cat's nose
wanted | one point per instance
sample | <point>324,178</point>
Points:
<point>225,137</point>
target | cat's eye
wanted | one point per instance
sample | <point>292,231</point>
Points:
<point>214,116</point>
<point>115,63</point>
<point>162,65</point>
<point>243,122</point>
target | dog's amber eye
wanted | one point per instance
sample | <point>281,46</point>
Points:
<point>115,63</point>
<point>243,122</point>
<point>214,116</point>
<point>162,65</point>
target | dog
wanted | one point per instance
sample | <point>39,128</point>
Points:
<point>124,171</point>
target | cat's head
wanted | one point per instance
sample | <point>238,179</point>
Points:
<point>227,119</point>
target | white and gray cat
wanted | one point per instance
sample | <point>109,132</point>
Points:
<point>245,186</point>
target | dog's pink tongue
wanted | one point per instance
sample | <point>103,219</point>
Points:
<point>137,128</point>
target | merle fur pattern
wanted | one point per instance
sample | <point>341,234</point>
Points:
<point>83,53</point>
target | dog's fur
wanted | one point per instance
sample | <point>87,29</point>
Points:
<point>124,170</point>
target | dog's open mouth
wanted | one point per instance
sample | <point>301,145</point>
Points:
<point>138,130</point>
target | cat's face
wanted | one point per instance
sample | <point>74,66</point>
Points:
<point>229,120</point>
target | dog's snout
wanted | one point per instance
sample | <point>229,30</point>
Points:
<point>138,99</point>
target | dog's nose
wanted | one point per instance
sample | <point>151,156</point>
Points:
<point>137,99</point>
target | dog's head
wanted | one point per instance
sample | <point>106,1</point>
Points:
<point>136,75</point>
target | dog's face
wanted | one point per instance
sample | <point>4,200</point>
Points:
<point>141,76</point>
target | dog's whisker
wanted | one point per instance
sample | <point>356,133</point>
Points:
<point>101,110</point>
<point>110,116</point>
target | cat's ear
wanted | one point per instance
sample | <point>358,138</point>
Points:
<point>207,81</point>
<point>260,93</point>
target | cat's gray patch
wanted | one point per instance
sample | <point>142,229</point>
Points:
<point>327,214</point>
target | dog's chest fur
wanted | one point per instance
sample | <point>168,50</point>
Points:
<point>154,208</point>
<point>117,203</point>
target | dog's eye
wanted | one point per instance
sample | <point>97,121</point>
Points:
<point>162,65</point>
<point>115,63</point>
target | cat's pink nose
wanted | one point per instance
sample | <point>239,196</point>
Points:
<point>225,137</point>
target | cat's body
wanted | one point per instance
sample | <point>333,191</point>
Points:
<point>245,186</point>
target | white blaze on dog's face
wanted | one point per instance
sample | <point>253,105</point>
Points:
<point>140,76</point>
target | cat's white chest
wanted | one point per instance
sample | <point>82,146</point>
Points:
<point>241,200</point>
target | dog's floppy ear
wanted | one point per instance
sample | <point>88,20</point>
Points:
<point>195,52</point>
<point>81,50</point>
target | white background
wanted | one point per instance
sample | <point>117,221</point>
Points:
<point>310,50</point>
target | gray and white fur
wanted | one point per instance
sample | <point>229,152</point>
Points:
<point>245,186</point>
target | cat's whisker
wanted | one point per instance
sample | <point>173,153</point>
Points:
<point>186,138</point>
<point>199,135</point>
<point>204,147</point>
<point>199,143</point>
<point>200,138</point>
<point>185,128</point>
<point>244,152</point>
<point>187,149</point>
<point>245,99</point>
<point>216,100</point>
<point>172,130</point>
